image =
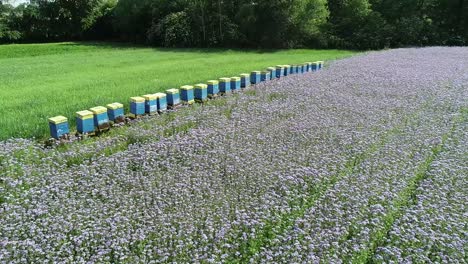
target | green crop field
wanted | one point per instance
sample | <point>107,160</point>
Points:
<point>43,80</point>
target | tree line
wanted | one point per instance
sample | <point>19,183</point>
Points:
<point>351,24</point>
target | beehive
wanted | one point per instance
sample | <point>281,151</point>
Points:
<point>245,80</point>
<point>255,77</point>
<point>137,105</point>
<point>321,63</point>
<point>151,104</point>
<point>308,66</point>
<point>85,122</point>
<point>201,92</point>
<point>272,71</point>
<point>187,94</point>
<point>235,83</point>
<point>101,119</point>
<point>161,99</point>
<point>115,111</point>
<point>264,76</point>
<point>286,69</point>
<point>291,69</point>
<point>213,88</point>
<point>59,127</point>
<point>173,97</point>
<point>224,85</point>
<point>279,71</point>
<point>315,66</point>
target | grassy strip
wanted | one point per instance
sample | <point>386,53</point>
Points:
<point>40,81</point>
<point>406,198</point>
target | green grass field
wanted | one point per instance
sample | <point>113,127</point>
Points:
<point>38,81</point>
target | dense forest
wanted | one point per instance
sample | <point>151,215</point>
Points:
<point>352,24</point>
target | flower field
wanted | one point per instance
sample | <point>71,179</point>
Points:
<point>364,162</point>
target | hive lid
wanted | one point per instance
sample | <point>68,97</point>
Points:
<point>212,82</point>
<point>265,72</point>
<point>172,91</point>
<point>225,79</point>
<point>149,97</point>
<point>186,87</point>
<point>316,63</point>
<point>98,110</point>
<point>271,68</point>
<point>114,106</point>
<point>137,99</point>
<point>308,63</point>
<point>85,114</point>
<point>279,66</point>
<point>257,72</point>
<point>58,120</point>
<point>235,78</point>
<point>245,75</point>
<point>201,86</point>
<point>160,95</point>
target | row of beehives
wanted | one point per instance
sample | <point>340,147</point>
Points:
<point>101,118</point>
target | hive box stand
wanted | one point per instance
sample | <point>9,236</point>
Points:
<point>245,80</point>
<point>101,119</point>
<point>173,98</point>
<point>201,93</point>
<point>224,85</point>
<point>151,104</point>
<point>137,106</point>
<point>85,122</point>
<point>213,88</point>
<point>235,83</point>
<point>255,77</point>
<point>59,127</point>
<point>161,100</point>
<point>116,114</point>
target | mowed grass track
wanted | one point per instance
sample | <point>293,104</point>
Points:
<point>38,81</point>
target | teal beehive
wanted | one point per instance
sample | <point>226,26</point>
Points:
<point>85,122</point>
<point>201,93</point>
<point>101,119</point>
<point>59,127</point>
<point>213,88</point>
<point>245,80</point>
<point>224,85</point>
<point>161,99</point>
<point>115,111</point>
<point>235,83</point>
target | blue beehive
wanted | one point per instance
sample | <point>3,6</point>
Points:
<point>272,71</point>
<point>245,80</point>
<point>235,83</point>
<point>173,97</point>
<point>115,111</point>
<point>101,119</point>
<point>264,76</point>
<point>151,104</point>
<point>308,66</point>
<point>85,122</point>
<point>321,63</point>
<point>137,105</point>
<point>287,69</point>
<point>224,85</point>
<point>161,99</point>
<point>213,88</point>
<point>187,95</point>
<point>279,71</point>
<point>255,77</point>
<point>201,92</point>
<point>315,66</point>
<point>59,127</point>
